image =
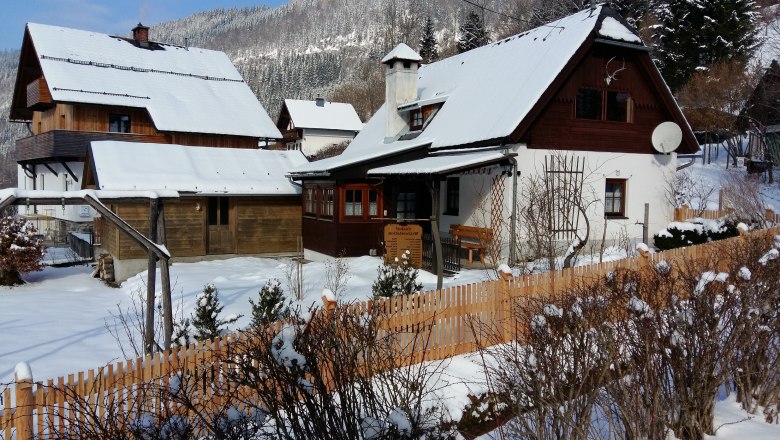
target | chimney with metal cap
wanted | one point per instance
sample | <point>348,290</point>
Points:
<point>141,35</point>
<point>401,66</point>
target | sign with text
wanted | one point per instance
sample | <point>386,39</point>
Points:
<point>400,238</point>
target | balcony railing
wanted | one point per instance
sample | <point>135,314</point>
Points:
<point>72,144</point>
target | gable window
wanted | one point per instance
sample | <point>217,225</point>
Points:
<point>118,123</point>
<point>588,105</point>
<point>615,198</point>
<point>219,207</point>
<point>453,196</point>
<point>360,202</point>
<point>416,120</point>
<point>604,105</point>
<point>405,206</point>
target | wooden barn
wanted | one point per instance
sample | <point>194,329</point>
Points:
<point>75,86</point>
<point>458,142</point>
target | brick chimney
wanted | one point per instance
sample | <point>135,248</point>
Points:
<point>141,35</point>
<point>401,66</point>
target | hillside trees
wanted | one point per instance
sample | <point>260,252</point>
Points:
<point>698,33</point>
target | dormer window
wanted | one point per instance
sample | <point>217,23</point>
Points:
<point>416,120</point>
<point>118,123</point>
<point>603,105</point>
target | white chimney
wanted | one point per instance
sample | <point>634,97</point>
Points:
<point>401,66</point>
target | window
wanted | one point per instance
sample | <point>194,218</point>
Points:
<point>588,104</point>
<point>415,120</point>
<point>118,123</point>
<point>219,207</point>
<point>360,202</point>
<point>453,196</point>
<point>317,201</point>
<point>603,105</point>
<point>353,202</point>
<point>618,106</point>
<point>309,201</point>
<point>405,206</point>
<point>615,198</point>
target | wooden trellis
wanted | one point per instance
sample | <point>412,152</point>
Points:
<point>563,179</point>
<point>496,213</point>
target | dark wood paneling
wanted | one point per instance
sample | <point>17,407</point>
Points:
<point>213,140</point>
<point>72,144</point>
<point>38,93</point>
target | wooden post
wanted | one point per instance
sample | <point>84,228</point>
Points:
<point>165,280</point>
<point>436,202</point>
<point>151,275</point>
<point>23,414</point>
<point>646,225</point>
<point>505,301</point>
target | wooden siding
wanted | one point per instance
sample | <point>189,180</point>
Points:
<point>89,118</point>
<point>213,140</point>
<point>557,127</point>
<point>267,225</point>
<point>263,225</point>
<point>38,93</point>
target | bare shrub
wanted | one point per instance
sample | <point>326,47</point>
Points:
<point>337,273</point>
<point>742,194</point>
<point>682,188</point>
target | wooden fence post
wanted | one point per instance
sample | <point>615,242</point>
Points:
<point>24,401</point>
<point>505,301</point>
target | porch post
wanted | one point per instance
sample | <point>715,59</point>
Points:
<point>435,188</point>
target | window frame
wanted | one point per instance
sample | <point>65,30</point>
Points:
<point>124,121</point>
<point>416,120</point>
<point>609,200</point>
<point>318,201</point>
<point>218,211</point>
<point>365,202</point>
<point>414,206</point>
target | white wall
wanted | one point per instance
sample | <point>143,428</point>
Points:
<point>646,176</point>
<point>315,139</point>
<point>61,181</point>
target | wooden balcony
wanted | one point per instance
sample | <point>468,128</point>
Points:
<point>291,135</point>
<point>38,95</point>
<point>72,144</point>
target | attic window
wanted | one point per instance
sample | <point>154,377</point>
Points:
<point>416,120</point>
<point>603,105</point>
<point>118,123</point>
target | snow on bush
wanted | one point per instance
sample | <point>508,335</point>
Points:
<point>695,231</point>
<point>20,250</point>
<point>744,273</point>
<point>396,278</point>
<point>283,349</point>
<point>663,267</point>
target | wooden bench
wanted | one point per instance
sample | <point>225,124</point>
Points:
<point>475,239</point>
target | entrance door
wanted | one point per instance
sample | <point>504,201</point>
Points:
<point>220,234</point>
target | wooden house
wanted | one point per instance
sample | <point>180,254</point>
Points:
<point>310,126</point>
<point>760,117</point>
<point>458,142</point>
<point>76,86</point>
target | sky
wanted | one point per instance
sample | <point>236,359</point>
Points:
<point>115,17</point>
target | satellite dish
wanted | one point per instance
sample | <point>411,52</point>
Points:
<point>666,137</point>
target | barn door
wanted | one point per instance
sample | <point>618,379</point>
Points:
<point>220,236</point>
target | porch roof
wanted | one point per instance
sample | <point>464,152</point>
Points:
<point>441,164</point>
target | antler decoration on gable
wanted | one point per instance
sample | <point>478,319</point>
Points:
<point>613,76</point>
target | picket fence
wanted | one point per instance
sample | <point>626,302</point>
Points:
<point>685,213</point>
<point>42,409</point>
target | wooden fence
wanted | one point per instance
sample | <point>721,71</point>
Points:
<point>685,213</point>
<point>44,408</point>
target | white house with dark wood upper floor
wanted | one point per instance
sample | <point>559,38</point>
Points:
<point>76,86</point>
<point>310,126</point>
<point>459,144</point>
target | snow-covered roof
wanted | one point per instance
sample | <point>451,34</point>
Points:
<point>489,90</point>
<point>201,170</point>
<point>189,89</point>
<point>332,115</point>
<point>441,164</point>
<point>402,52</point>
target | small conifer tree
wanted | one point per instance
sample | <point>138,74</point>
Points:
<point>20,250</point>
<point>206,321</point>
<point>272,306</point>
<point>399,277</point>
<point>428,46</point>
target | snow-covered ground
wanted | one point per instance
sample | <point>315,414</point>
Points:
<point>57,321</point>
